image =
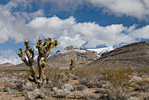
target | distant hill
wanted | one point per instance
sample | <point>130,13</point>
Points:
<point>62,59</point>
<point>135,54</point>
<point>6,64</point>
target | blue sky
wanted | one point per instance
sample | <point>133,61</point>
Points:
<point>87,23</point>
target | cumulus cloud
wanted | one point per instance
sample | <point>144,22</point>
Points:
<point>12,24</point>
<point>9,56</point>
<point>29,16</point>
<point>140,33</point>
<point>67,41</point>
<point>89,34</point>
<point>69,31</point>
<point>135,8</point>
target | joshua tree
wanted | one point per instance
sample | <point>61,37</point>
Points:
<point>44,49</point>
<point>72,65</point>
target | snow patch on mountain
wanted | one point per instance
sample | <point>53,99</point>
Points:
<point>80,49</point>
<point>100,51</point>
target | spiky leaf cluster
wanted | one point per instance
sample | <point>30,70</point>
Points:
<point>43,65</point>
<point>45,48</point>
<point>26,43</point>
<point>28,51</point>
<point>21,53</point>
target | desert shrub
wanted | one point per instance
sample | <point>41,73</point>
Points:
<point>117,93</point>
<point>84,72</point>
<point>119,75</point>
<point>116,74</point>
<point>89,77</point>
<point>56,77</point>
<point>143,85</point>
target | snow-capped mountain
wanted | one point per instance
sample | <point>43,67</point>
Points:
<point>100,51</point>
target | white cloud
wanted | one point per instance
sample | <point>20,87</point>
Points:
<point>13,24</point>
<point>9,56</point>
<point>67,41</point>
<point>140,33</point>
<point>135,8</point>
<point>68,32</point>
<point>29,16</point>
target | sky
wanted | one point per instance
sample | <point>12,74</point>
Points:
<point>87,23</point>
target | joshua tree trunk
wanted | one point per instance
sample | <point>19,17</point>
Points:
<point>34,74</point>
<point>41,72</point>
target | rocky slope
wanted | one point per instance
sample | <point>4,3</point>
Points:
<point>63,60</point>
<point>135,55</point>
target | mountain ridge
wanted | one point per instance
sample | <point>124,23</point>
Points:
<point>135,54</point>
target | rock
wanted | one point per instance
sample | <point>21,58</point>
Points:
<point>36,94</point>
<point>68,87</point>
<point>136,79</point>
<point>87,92</point>
<point>90,95</point>
<point>74,82</point>
<point>9,90</point>
<point>80,87</point>
<point>5,79</point>
<point>102,91</point>
<point>106,85</point>
<point>29,87</point>
<point>60,93</point>
<point>9,76</point>
<point>64,91</point>
<point>47,92</point>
